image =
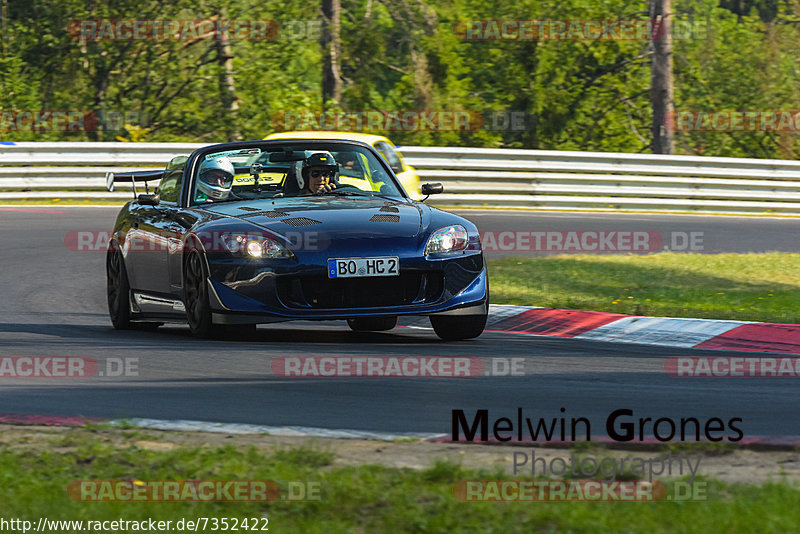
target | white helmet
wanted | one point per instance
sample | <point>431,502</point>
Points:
<point>215,178</point>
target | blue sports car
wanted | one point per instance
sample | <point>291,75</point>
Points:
<point>239,234</point>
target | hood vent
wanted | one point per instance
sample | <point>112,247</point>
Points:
<point>389,209</point>
<point>248,208</point>
<point>385,218</point>
<point>301,221</point>
<point>270,214</point>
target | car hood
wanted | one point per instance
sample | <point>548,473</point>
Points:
<point>345,217</point>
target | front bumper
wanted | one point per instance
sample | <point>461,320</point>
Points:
<point>241,292</point>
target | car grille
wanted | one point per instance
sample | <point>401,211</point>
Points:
<point>363,292</point>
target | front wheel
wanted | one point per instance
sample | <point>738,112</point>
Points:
<point>372,324</point>
<point>195,290</point>
<point>455,327</point>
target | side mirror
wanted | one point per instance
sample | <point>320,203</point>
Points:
<point>432,189</point>
<point>396,167</point>
<point>148,199</point>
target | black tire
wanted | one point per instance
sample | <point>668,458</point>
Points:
<point>195,297</point>
<point>456,327</point>
<point>372,324</point>
<point>198,310</point>
<point>118,290</point>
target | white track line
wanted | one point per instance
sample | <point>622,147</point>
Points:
<point>283,431</point>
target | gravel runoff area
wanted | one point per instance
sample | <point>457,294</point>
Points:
<point>728,464</point>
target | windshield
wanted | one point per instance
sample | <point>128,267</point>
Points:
<point>289,170</point>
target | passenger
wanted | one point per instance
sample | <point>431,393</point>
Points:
<point>215,180</point>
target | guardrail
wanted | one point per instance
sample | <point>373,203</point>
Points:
<point>39,170</point>
<point>474,177</point>
<point>604,180</point>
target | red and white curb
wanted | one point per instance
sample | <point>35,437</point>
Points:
<point>662,331</point>
<point>497,313</point>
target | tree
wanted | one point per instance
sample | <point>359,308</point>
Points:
<point>331,51</point>
<point>661,77</point>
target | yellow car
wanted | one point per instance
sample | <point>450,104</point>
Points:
<point>405,173</point>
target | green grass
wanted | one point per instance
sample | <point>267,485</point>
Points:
<point>749,287</point>
<point>359,499</point>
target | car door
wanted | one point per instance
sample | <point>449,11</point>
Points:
<point>142,241</point>
<point>157,235</point>
<point>174,225</point>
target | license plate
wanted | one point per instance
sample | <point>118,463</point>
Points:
<point>356,267</point>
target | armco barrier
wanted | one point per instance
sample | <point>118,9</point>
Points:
<point>47,170</point>
<point>474,177</point>
<point>604,180</point>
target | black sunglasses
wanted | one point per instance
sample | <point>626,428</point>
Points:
<point>317,174</point>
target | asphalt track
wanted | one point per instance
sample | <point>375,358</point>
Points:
<point>714,234</point>
<point>53,304</point>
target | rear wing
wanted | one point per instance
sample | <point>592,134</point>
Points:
<point>132,177</point>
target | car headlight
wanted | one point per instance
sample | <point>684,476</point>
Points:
<point>447,239</point>
<point>255,246</point>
